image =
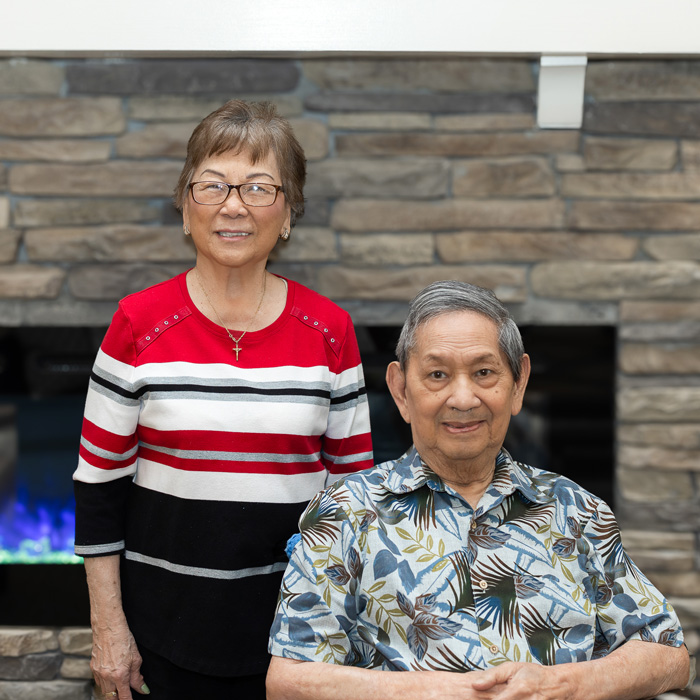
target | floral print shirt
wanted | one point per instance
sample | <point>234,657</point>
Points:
<point>394,570</point>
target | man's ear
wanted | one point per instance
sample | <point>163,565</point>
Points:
<point>396,381</point>
<point>521,385</point>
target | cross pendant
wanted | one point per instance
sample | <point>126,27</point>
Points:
<point>236,350</point>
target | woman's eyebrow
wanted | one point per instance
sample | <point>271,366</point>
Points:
<point>251,175</point>
<point>248,176</point>
<point>214,172</point>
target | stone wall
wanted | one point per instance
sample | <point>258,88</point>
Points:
<point>418,170</point>
<point>41,663</point>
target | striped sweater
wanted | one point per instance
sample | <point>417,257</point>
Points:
<point>195,467</point>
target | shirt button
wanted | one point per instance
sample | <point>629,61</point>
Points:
<point>175,317</point>
<point>493,649</point>
<point>315,323</point>
<point>483,585</point>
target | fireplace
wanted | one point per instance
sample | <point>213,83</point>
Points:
<point>567,421</point>
<point>567,426</point>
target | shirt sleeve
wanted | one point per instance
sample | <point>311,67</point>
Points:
<point>316,618</point>
<point>347,442</point>
<point>628,605</point>
<point>108,445</point>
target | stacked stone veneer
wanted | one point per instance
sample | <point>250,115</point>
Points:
<point>37,664</point>
<point>418,170</point>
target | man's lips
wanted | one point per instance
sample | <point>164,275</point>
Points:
<point>463,426</point>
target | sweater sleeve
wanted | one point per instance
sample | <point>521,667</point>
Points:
<point>347,443</point>
<point>108,444</point>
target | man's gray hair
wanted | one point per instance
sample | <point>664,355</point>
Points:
<point>448,296</point>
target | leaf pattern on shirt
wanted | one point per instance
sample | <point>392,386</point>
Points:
<point>499,604</point>
<point>395,571</point>
<point>542,635</point>
<point>318,522</point>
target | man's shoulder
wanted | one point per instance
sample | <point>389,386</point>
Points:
<point>548,485</point>
<point>372,480</point>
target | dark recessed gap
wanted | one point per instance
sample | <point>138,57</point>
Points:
<point>567,426</point>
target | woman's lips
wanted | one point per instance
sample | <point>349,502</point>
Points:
<point>233,234</point>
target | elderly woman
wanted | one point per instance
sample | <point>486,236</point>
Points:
<point>221,401</point>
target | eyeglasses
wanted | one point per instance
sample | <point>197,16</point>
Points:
<point>253,194</point>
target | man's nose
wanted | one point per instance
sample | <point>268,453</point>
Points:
<point>464,394</point>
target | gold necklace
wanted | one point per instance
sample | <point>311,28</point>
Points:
<point>230,335</point>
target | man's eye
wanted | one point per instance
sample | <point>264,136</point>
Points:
<point>437,374</point>
<point>484,372</point>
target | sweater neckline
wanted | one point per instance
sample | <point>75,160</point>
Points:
<point>251,336</point>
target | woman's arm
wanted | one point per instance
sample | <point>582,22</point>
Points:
<point>116,662</point>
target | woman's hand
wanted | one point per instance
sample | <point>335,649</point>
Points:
<point>116,662</point>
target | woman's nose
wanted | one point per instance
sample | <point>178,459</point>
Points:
<point>234,206</point>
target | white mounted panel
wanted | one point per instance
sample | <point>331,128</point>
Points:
<point>389,27</point>
<point>560,92</point>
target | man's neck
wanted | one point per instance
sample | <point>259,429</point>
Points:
<point>470,482</point>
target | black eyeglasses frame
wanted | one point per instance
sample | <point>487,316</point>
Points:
<point>278,189</point>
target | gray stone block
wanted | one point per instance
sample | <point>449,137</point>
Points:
<point>65,116</point>
<point>455,145</point>
<point>413,178</point>
<point>639,80</point>
<point>105,282</point>
<point>66,212</point>
<point>18,641</point>
<point>76,640</point>
<point>182,76</point>
<point>436,73</point>
<point>40,667</point>
<point>643,118</point>
<point>317,212</point>
<point>46,690</point>
<point>419,102</point>
<point>599,215</point>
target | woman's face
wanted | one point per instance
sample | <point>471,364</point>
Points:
<point>233,234</point>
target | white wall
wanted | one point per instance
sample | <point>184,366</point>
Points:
<point>153,27</point>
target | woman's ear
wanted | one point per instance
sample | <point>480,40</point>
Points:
<point>396,381</point>
<point>186,214</point>
<point>288,220</point>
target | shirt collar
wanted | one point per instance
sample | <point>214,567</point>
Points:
<point>410,473</point>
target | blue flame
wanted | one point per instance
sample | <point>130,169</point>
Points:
<point>37,531</point>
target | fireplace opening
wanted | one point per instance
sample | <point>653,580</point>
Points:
<point>567,422</point>
<point>566,426</point>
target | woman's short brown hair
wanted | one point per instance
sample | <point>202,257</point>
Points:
<point>257,129</point>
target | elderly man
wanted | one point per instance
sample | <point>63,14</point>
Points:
<point>457,558</point>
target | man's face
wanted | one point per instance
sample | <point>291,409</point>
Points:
<point>458,392</point>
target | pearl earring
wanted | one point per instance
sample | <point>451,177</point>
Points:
<point>186,229</point>
<point>285,234</point>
